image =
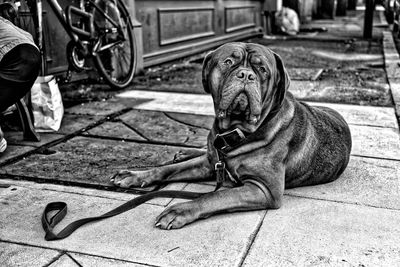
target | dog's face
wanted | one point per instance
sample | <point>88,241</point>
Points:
<point>246,82</point>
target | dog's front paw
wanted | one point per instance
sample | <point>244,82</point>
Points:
<point>127,178</point>
<point>178,215</point>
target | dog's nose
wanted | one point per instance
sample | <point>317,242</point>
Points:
<point>246,75</point>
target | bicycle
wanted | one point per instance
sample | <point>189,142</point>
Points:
<point>100,30</point>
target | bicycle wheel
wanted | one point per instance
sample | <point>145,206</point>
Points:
<point>115,54</point>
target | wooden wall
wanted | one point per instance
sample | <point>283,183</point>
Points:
<point>173,29</point>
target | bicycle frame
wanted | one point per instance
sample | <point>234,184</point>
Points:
<point>76,33</point>
<point>99,30</point>
<point>59,12</point>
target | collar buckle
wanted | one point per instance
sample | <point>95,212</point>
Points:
<point>229,140</point>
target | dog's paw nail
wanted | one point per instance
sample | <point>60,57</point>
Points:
<point>222,114</point>
<point>169,226</point>
<point>143,184</point>
<point>157,224</point>
<point>112,177</point>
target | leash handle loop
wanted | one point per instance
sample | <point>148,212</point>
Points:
<point>49,223</point>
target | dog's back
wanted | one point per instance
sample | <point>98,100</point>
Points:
<point>320,146</point>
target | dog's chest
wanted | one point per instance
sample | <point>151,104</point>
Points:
<point>249,164</point>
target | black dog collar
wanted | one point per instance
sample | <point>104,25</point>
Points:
<point>227,141</point>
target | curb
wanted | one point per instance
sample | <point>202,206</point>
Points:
<point>392,67</point>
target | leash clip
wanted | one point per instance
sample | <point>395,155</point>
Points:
<point>219,166</point>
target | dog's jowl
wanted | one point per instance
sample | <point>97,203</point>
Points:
<point>262,138</point>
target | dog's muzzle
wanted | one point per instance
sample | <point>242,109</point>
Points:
<point>240,104</point>
<point>240,99</point>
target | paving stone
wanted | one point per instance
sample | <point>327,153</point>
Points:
<point>99,108</point>
<point>395,90</point>
<point>132,101</point>
<point>364,115</point>
<point>346,56</point>
<point>311,74</point>
<point>392,61</point>
<point>182,77</point>
<point>130,236</point>
<point>391,54</point>
<point>16,138</point>
<point>171,102</point>
<point>314,53</point>
<point>328,91</point>
<point>201,121</point>
<point>159,127</point>
<point>366,181</point>
<point>302,89</point>
<point>115,129</point>
<point>72,122</point>
<point>388,44</point>
<point>64,261</point>
<point>375,142</point>
<point>308,232</point>
<point>19,255</point>
<point>370,75</point>
<point>13,151</point>
<point>392,68</point>
<point>85,260</point>
<point>92,161</point>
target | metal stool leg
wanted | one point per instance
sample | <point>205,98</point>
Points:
<point>27,126</point>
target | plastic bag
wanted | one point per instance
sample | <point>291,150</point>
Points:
<point>47,105</point>
<point>287,21</point>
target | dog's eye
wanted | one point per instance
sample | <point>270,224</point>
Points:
<point>263,69</point>
<point>228,62</point>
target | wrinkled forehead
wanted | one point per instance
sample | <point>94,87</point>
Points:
<point>252,53</point>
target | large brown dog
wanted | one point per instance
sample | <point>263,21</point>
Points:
<point>266,139</point>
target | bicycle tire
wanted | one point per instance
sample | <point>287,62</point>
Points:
<point>107,61</point>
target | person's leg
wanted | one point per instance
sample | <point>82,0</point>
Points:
<point>19,69</point>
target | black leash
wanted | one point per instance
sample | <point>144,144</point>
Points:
<point>223,144</point>
<point>60,208</point>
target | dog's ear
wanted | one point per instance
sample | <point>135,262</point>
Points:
<point>205,71</point>
<point>283,80</point>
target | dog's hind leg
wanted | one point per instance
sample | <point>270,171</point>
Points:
<point>197,168</point>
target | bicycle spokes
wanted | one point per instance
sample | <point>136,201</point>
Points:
<point>115,56</point>
<point>114,48</point>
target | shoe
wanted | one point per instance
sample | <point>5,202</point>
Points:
<point>3,142</point>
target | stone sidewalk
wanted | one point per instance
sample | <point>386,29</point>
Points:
<point>354,221</point>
